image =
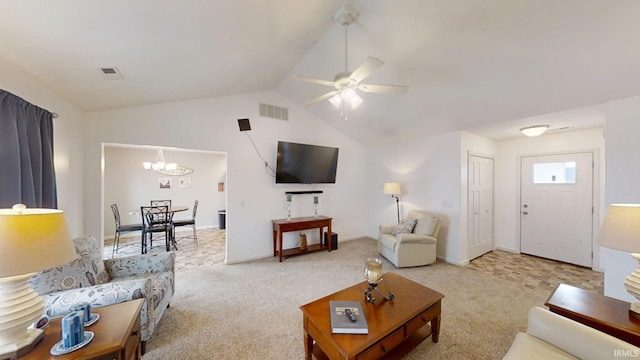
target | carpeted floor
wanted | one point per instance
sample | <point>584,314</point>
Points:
<point>528,271</point>
<point>251,310</point>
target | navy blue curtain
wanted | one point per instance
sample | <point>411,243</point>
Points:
<point>27,173</point>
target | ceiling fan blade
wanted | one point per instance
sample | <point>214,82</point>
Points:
<point>315,81</point>
<point>384,89</point>
<point>321,97</point>
<point>366,68</point>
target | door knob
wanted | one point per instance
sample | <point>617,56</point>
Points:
<point>525,212</point>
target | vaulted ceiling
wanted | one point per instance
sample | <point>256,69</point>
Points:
<point>469,63</point>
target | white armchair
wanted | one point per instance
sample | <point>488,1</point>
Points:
<point>408,245</point>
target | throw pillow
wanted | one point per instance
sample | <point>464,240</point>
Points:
<point>87,270</point>
<point>405,227</point>
<point>426,225</point>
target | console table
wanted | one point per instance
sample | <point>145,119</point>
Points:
<point>281,226</point>
<point>600,312</point>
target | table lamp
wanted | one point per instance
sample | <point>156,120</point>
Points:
<point>393,189</point>
<point>621,230</point>
<point>30,240</point>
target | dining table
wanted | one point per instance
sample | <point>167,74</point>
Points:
<point>171,210</point>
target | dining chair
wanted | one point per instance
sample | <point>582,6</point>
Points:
<point>160,218</point>
<point>121,229</point>
<point>189,222</point>
<point>160,203</point>
<point>151,226</point>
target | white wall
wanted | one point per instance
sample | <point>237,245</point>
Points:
<point>130,186</point>
<point>253,198</point>
<point>68,135</point>
<point>507,178</point>
<point>622,184</point>
<point>428,170</point>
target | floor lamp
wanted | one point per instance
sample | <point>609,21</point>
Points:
<point>621,230</point>
<point>393,189</point>
<point>30,240</point>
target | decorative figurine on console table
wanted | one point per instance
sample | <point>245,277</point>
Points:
<point>373,273</point>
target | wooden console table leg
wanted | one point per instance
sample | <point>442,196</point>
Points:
<point>329,235</point>
<point>435,329</point>
<point>275,236</point>
<point>280,244</point>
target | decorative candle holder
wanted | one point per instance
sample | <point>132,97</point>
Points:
<point>373,274</point>
<point>288,207</point>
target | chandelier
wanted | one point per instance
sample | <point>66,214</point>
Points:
<point>159,164</point>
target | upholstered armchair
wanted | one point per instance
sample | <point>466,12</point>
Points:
<point>412,242</point>
<point>100,282</point>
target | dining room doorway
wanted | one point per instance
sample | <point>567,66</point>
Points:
<point>196,175</point>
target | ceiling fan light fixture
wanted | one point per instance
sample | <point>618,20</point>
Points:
<point>356,101</point>
<point>348,94</point>
<point>336,100</point>
<point>535,130</point>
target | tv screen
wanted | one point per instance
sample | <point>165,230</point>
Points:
<point>306,164</point>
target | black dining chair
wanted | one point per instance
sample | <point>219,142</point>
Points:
<point>121,229</point>
<point>160,218</point>
<point>189,222</point>
<point>151,226</point>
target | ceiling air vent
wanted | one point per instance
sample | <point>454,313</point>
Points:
<point>112,73</point>
<point>274,112</point>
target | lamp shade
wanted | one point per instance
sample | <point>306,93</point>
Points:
<point>392,189</point>
<point>621,228</point>
<point>32,240</point>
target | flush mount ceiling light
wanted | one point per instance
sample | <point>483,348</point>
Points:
<point>535,130</point>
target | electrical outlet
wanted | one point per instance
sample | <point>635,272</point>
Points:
<point>447,204</point>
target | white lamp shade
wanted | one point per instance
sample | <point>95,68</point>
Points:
<point>392,189</point>
<point>32,240</point>
<point>356,101</point>
<point>348,94</point>
<point>621,228</point>
<point>336,100</point>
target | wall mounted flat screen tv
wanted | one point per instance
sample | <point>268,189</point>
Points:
<point>306,164</point>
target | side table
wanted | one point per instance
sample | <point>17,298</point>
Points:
<point>117,336</point>
<point>600,312</point>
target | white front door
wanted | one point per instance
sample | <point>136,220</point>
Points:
<point>480,206</point>
<point>556,207</point>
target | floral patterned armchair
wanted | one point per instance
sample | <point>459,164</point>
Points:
<point>100,282</point>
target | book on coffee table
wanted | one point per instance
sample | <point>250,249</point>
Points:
<point>340,322</point>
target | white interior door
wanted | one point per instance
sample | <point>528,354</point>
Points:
<point>480,206</point>
<point>556,208</point>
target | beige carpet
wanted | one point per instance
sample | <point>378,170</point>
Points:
<point>251,310</point>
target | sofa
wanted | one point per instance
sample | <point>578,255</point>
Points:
<point>551,336</point>
<point>100,282</point>
<point>412,242</point>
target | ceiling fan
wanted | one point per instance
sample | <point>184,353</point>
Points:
<point>346,83</point>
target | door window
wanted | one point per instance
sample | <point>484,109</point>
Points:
<point>554,173</point>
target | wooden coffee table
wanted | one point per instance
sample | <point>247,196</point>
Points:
<point>117,335</point>
<point>395,327</point>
